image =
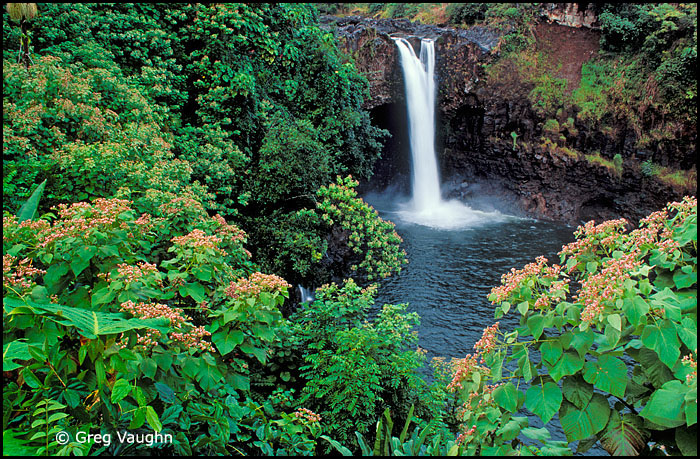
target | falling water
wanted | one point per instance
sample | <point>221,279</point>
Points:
<point>420,98</point>
<point>427,206</point>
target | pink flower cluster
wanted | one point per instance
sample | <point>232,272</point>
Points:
<point>304,413</point>
<point>591,234</point>
<point>80,218</point>
<point>231,232</point>
<point>153,310</point>
<point>487,343</point>
<point>604,287</point>
<point>689,361</point>
<point>256,283</point>
<point>19,276</point>
<point>198,238</point>
<point>195,337</point>
<point>129,273</point>
<point>463,369</point>
<point>511,281</point>
<point>178,205</point>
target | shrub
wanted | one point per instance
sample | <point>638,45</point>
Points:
<point>607,342</point>
<point>352,368</point>
<point>375,251</point>
<point>118,320</point>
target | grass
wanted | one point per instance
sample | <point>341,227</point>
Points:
<point>687,180</point>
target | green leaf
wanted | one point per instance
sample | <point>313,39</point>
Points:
<point>100,371</point>
<point>551,352</point>
<point>149,367</point>
<point>569,363</point>
<point>512,429</point>
<point>556,448</point>
<point>13,445</point>
<point>541,434</point>
<point>259,353</point>
<point>30,206</point>
<point>579,424</point>
<point>523,307</point>
<point>663,340</point>
<point>165,392</point>
<point>688,332</point>
<point>685,280</point>
<point>152,418</point>
<point>226,341</point>
<point>544,400</point>
<point>536,325</point>
<point>194,290</point>
<point>340,448</point>
<point>581,341</point>
<point>634,309</point>
<point>665,405</point>
<point>506,396</point>
<point>139,396</point>
<point>90,324</point>
<point>609,374</point>
<point>138,419</point>
<point>121,389</point>
<point>208,376</point>
<point>240,382</point>
<point>687,441</point>
<point>654,369</point>
<point>615,321</point>
<point>624,436</point>
<point>30,378</point>
<point>577,391</point>
<point>17,349</point>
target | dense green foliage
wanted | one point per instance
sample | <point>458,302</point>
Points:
<point>169,169</point>
<point>223,89</point>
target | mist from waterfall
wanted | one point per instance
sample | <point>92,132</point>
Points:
<point>427,206</point>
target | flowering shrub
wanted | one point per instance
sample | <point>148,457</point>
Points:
<point>139,318</point>
<point>608,342</point>
<point>375,251</point>
<point>88,131</point>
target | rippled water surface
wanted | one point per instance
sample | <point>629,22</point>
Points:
<point>451,272</point>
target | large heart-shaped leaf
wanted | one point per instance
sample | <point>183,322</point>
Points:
<point>579,424</point>
<point>665,405</point>
<point>506,396</point>
<point>609,374</point>
<point>625,435</point>
<point>663,340</point>
<point>544,400</point>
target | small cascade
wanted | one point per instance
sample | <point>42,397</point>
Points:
<point>307,296</point>
<point>427,206</point>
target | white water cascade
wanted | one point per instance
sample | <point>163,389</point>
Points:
<point>427,206</point>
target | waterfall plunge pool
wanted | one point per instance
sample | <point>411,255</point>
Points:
<point>453,266</point>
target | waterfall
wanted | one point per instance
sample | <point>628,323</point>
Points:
<point>306,295</point>
<point>419,75</point>
<point>427,206</point>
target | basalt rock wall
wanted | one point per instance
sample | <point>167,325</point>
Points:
<point>477,119</point>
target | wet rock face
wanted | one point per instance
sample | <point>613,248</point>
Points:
<point>477,118</point>
<point>369,41</point>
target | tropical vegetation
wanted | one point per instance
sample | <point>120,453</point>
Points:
<point>172,173</point>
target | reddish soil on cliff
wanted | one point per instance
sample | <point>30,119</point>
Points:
<point>566,49</point>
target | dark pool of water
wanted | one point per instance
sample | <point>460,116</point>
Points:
<point>451,273</point>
